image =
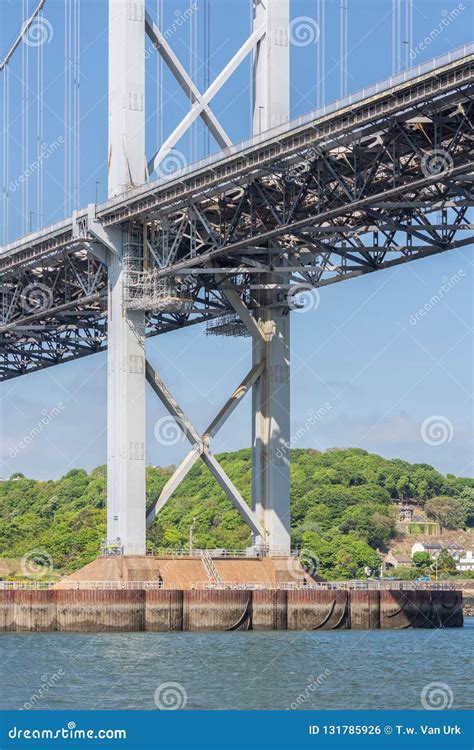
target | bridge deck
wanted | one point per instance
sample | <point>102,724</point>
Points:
<point>427,80</point>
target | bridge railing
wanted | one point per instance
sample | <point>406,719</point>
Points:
<point>221,553</point>
<point>235,586</point>
<point>332,586</point>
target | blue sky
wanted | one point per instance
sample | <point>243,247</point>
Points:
<point>383,370</point>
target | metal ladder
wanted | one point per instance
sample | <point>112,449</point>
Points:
<point>211,570</point>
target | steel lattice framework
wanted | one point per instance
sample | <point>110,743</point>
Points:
<point>381,180</point>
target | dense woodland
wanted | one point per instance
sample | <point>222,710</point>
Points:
<point>342,508</point>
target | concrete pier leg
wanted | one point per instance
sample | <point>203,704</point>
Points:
<point>271,393</point>
<point>271,432</point>
<point>125,418</point>
<point>126,345</point>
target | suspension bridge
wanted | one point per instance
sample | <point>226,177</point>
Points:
<point>378,178</point>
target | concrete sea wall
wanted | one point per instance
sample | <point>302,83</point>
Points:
<point>99,610</point>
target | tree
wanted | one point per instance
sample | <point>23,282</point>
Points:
<point>467,498</point>
<point>404,487</point>
<point>421,560</point>
<point>341,508</point>
<point>405,573</point>
<point>450,512</point>
<point>372,521</point>
<point>446,563</point>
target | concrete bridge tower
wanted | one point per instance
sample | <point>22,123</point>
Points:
<point>126,349</point>
<point>271,392</point>
<point>126,328</point>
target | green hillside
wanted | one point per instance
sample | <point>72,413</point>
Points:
<point>342,508</point>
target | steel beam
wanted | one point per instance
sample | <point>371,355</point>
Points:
<point>185,81</point>
<point>201,108</point>
<point>172,406</point>
<point>173,482</point>
<point>239,393</point>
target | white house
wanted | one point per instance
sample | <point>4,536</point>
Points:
<point>455,550</point>
<point>466,563</point>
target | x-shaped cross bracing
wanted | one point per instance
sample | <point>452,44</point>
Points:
<point>200,443</point>
<point>200,446</point>
<point>200,102</point>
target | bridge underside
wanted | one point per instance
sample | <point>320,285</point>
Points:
<point>343,196</point>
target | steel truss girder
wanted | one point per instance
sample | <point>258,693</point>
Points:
<point>327,204</point>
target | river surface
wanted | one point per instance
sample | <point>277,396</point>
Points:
<point>238,670</point>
